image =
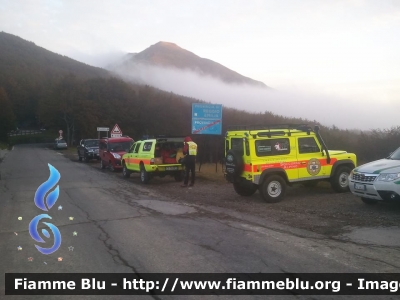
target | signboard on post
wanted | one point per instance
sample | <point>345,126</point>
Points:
<point>102,129</point>
<point>206,118</point>
<point>116,131</point>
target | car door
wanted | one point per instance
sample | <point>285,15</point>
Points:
<point>310,158</point>
<point>135,157</point>
<point>129,157</point>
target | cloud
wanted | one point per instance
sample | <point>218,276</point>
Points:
<point>327,108</point>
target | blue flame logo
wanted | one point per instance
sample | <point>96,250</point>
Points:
<point>51,199</point>
<point>45,187</point>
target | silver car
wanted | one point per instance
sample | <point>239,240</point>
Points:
<point>60,144</point>
<point>378,180</point>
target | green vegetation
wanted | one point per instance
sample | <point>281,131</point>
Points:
<point>39,88</point>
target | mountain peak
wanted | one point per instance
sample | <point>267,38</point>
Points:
<point>167,54</point>
<point>167,44</point>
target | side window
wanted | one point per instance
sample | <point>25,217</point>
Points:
<point>272,147</point>
<point>308,145</point>
<point>137,148</point>
<point>237,145</point>
<point>102,146</point>
<point>147,146</point>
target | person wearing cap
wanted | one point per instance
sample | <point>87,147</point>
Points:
<point>190,152</point>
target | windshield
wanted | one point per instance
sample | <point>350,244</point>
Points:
<point>122,146</point>
<point>395,154</point>
<point>93,143</point>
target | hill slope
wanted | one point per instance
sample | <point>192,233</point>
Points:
<point>164,54</point>
<point>28,71</point>
<point>20,58</point>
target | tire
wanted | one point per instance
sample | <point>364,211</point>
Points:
<point>111,167</point>
<point>85,159</point>
<point>144,176</point>
<point>273,189</point>
<point>125,172</point>
<point>178,176</point>
<point>340,180</point>
<point>310,183</point>
<point>233,164</point>
<point>245,190</point>
<point>102,166</point>
<point>79,158</point>
<point>369,201</point>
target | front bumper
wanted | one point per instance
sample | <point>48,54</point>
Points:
<point>92,155</point>
<point>117,164</point>
<point>377,190</point>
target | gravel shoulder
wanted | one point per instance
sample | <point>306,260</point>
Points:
<point>318,209</point>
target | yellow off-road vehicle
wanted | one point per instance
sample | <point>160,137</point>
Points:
<point>269,158</point>
<point>154,157</point>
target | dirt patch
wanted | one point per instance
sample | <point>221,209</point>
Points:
<point>318,209</point>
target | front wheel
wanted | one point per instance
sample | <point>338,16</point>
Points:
<point>340,180</point>
<point>79,157</point>
<point>245,190</point>
<point>111,167</point>
<point>369,201</point>
<point>273,189</point>
<point>125,172</point>
<point>144,176</point>
<point>102,166</point>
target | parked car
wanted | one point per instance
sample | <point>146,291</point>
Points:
<point>154,157</point>
<point>60,144</point>
<point>378,180</point>
<point>111,151</point>
<point>271,157</point>
<point>88,149</point>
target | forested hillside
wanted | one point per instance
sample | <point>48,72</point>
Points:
<point>27,71</point>
<point>40,88</point>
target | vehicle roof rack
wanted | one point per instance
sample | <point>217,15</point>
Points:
<point>278,129</point>
<point>303,127</point>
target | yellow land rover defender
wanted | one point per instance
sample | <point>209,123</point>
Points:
<point>269,158</point>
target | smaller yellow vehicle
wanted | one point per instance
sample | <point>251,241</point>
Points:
<point>154,157</point>
<point>269,158</point>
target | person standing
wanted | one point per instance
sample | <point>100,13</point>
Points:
<point>190,152</point>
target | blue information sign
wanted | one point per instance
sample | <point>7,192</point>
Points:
<point>206,118</point>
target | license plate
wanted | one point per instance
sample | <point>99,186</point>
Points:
<point>171,168</point>
<point>360,187</point>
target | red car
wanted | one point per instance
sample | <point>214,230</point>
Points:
<point>111,151</point>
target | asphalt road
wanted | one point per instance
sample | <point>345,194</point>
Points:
<point>124,227</point>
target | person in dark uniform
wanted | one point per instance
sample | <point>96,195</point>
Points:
<point>190,152</point>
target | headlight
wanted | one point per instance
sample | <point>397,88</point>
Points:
<point>388,176</point>
<point>116,155</point>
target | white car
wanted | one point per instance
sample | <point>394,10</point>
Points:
<point>60,144</point>
<point>378,180</point>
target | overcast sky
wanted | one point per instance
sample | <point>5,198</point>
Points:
<point>347,50</point>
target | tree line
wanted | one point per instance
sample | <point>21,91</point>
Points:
<point>78,106</point>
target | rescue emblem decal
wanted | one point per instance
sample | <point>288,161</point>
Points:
<point>313,166</point>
